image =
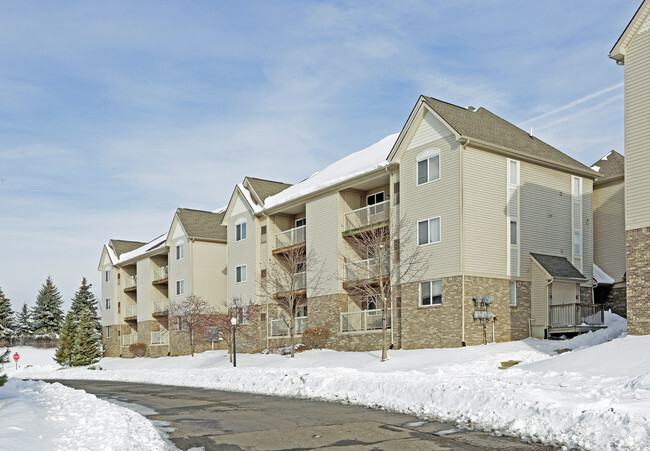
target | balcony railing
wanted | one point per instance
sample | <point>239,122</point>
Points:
<point>131,311</point>
<point>365,270</point>
<point>283,285</point>
<point>161,307</point>
<point>363,320</point>
<point>131,282</point>
<point>160,338</point>
<point>574,315</point>
<point>129,339</point>
<point>367,216</point>
<point>291,237</point>
<point>161,273</point>
<point>280,326</point>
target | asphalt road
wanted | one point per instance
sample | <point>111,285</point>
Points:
<point>217,420</point>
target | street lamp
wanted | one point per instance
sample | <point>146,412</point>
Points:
<point>233,321</point>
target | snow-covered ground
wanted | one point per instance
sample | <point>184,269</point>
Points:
<point>595,397</point>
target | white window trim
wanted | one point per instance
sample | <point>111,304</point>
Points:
<point>107,303</point>
<point>512,284</point>
<point>375,195</point>
<point>246,273</point>
<point>180,255</point>
<point>510,221</point>
<point>107,275</point>
<point>295,223</point>
<point>108,331</point>
<point>181,285</point>
<point>238,226</point>
<point>428,221</point>
<point>420,304</point>
<point>426,155</point>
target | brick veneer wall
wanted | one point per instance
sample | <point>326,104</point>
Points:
<point>111,345</point>
<point>617,301</point>
<point>638,281</point>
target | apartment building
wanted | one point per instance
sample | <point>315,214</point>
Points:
<point>140,279</point>
<point>633,51</point>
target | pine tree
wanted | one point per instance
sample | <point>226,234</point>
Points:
<point>47,315</point>
<point>84,298</point>
<point>87,348</point>
<point>24,324</point>
<point>67,339</point>
<point>4,358</point>
<point>6,318</point>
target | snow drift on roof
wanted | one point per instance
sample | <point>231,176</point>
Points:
<point>143,249</point>
<point>602,277</point>
<point>353,165</point>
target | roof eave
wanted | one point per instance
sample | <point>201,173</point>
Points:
<point>620,48</point>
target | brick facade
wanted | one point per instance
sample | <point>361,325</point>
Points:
<point>638,281</point>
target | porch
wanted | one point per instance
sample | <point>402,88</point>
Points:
<point>575,318</point>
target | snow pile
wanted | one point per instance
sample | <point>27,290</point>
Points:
<point>37,415</point>
<point>594,397</point>
<point>353,165</point>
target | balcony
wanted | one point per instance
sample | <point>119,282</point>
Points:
<point>364,272</point>
<point>280,326</point>
<point>283,286</point>
<point>367,218</point>
<point>364,320</point>
<point>289,239</point>
<point>129,339</point>
<point>131,313</point>
<point>570,318</point>
<point>160,337</point>
<point>161,308</point>
<point>160,275</point>
<point>131,283</point>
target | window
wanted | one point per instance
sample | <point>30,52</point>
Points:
<point>576,188</point>
<point>181,323</point>
<point>240,231</point>
<point>180,251</point>
<point>301,311</point>
<point>108,331</point>
<point>108,303</point>
<point>240,275</point>
<point>431,292</point>
<point>373,199</point>
<point>371,303</point>
<point>180,287</point>
<point>513,293</point>
<point>396,193</point>
<point>107,275</point>
<point>429,169</point>
<point>301,222</point>
<point>242,315</point>
<point>514,229</point>
<point>576,243</point>
<point>429,231</point>
<point>514,172</point>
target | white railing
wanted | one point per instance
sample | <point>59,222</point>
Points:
<point>161,273</point>
<point>287,284</point>
<point>160,338</point>
<point>161,307</point>
<point>367,216</point>
<point>129,339</point>
<point>131,311</point>
<point>363,320</point>
<point>573,315</point>
<point>280,326</point>
<point>365,270</point>
<point>130,282</point>
<point>291,237</point>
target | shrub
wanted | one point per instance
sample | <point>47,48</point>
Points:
<point>138,349</point>
<point>315,337</point>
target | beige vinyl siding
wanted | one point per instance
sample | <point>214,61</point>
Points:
<point>637,133</point>
<point>243,252</point>
<point>539,300</point>
<point>209,277</point>
<point>609,228</point>
<point>324,237</point>
<point>144,289</point>
<point>439,198</point>
<point>564,293</point>
<point>545,213</point>
<point>485,215</point>
<point>587,229</point>
<point>109,290</point>
<point>179,269</point>
<point>158,292</point>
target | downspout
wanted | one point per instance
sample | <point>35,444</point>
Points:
<point>191,267</point>
<point>462,241</point>
<point>392,294</point>
<point>258,294</point>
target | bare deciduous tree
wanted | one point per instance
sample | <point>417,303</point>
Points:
<point>378,278</point>
<point>286,283</point>
<point>237,308</point>
<point>193,315</point>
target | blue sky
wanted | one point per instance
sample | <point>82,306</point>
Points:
<point>113,114</point>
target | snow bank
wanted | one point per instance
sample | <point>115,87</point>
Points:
<point>595,397</point>
<point>37,415</point>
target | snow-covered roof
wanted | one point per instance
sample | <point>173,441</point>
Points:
<point>602,277</point>
<point>353,165</point>
<point>247,195</point>
<point>156,243</point>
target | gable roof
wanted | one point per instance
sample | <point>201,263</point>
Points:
<point>611,166</point>
<point>202,225</point>
<point>558,267</point>
<point>122,246</point>
<point>264,188</point>
<point>640,17</point>
<point>482,125</point>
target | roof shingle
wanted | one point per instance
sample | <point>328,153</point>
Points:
<point>202,224</point>
<point>558,267</point>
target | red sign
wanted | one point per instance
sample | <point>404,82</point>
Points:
<point>16,356</point>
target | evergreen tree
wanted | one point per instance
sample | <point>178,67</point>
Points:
<point>6,318</point>
<point>87,348</point>
<point>47,315</point>
<point>4,358</point>
<point>67,339</point>
<point>84,298</point>
<point>24,324</point>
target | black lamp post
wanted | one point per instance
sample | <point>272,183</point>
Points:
<point>233,321</point>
